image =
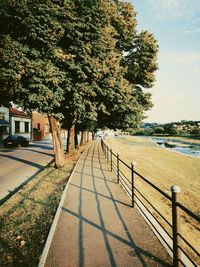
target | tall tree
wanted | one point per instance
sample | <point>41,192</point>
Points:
<point>82,62</point>
<point>30,32</point>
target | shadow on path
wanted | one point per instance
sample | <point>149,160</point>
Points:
<point>140,253</point>
<point>36,165</point>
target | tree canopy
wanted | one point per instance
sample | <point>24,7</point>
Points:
<point>81,62</point>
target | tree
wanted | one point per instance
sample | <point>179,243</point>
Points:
<point>134,70</point>
<point>195,131</point>
<point>159,130</point>
<point>170,129</point>
<point>30,75</point>
<point>82,62</point>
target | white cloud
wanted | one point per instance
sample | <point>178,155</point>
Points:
<point>192,31</point>
<point>194,25</point>
<point>175,8</point>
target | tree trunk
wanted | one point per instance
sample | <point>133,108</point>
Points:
<point>88,136</point>
<point>57,142</point>
<point>76,138</point>
<point>83,137</point>
<point>70,139</point>
<point>93,135</point>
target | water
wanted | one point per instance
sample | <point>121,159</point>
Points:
<point>186,148</point>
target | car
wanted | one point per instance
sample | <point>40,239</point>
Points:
<point>15,140</point>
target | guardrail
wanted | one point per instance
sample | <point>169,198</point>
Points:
<point>169,234</point>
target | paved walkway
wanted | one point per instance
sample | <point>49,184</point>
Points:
<point>96,225</point>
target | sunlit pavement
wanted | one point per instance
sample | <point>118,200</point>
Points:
<point>96,226</point>
<point>19,164</point>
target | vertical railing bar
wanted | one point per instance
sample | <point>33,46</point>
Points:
<point>118,167</point>
<point>111,159</point>
<point>175,225</point>
<point>133,181</point>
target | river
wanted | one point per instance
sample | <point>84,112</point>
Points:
<point>184,147</point>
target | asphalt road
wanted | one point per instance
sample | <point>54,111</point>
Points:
<point>19,164</point>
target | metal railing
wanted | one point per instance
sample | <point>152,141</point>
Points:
<point>172,239</point>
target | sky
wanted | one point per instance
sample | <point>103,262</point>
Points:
<point>176,26</point>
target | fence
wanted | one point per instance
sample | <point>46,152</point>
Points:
<point>172,239</point>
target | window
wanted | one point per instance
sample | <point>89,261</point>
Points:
<point>17,126</point>
<point>38,126</point>
<point>26,127</point>
<point>46,128</point>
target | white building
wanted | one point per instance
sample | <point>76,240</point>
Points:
<point>20,123</point>
<point>4,123</point>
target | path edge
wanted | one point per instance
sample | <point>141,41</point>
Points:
<point>56,218</point>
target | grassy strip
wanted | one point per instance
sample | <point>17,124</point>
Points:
<point>26,218</point>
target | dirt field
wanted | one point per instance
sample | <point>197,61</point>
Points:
<point>164,168</point>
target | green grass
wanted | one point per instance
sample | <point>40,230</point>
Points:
<point>164,168</point>
<point>26,218</point>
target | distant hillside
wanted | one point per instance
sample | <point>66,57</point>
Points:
<point>184,128</point>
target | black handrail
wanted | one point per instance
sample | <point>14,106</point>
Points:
<point>153,207</point>
<point>153,226</point>
<point>190,213</point>
<point>125,177</point>
<point>154,186</point>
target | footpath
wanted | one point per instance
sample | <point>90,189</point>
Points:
<point>95,224</point>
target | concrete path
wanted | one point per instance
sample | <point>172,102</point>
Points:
<point>96,225</point>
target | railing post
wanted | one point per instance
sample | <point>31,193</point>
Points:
<point>118,167</point>
<point>107,153</point>
<point>175,225</point>
<point>102,145</point>
<point>133,181</point>
<point>111,159</point>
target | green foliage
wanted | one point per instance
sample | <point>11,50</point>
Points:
<point>159,130</point>
<point>170,129</point>
<point>82,61</point>
<point>141,60</point>
<point>195,131</point>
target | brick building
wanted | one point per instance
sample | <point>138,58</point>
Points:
<point>40,126</point>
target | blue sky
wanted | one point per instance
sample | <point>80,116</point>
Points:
<point>176,26</point>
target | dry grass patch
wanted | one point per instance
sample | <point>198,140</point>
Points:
<point>164,168</point>
<point>25,219</point>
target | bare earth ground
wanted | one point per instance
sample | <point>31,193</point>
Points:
<point>164,168</point>
<point>97,227</point>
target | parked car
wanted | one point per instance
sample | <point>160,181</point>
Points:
<point>15,140</point>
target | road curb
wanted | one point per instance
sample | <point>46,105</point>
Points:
<point>56,218</point>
